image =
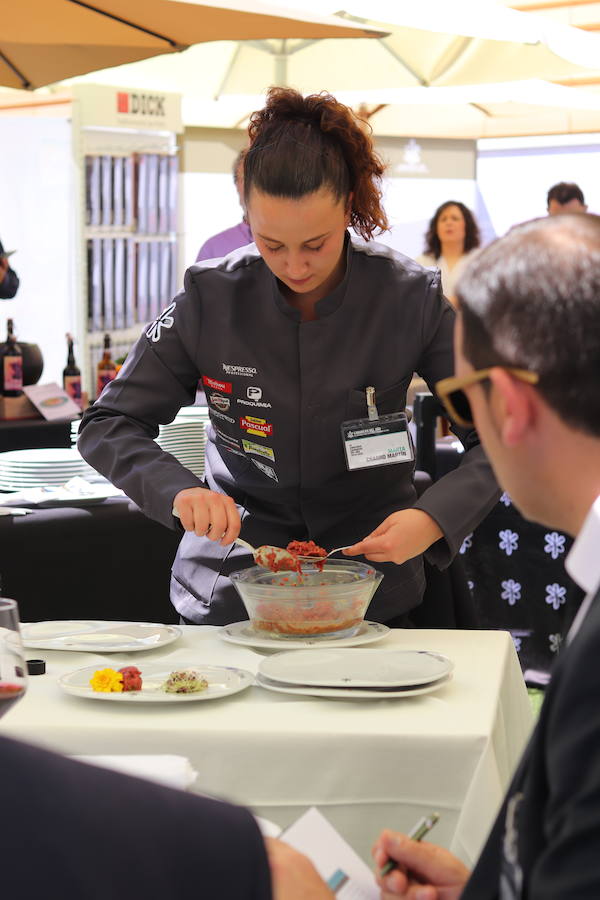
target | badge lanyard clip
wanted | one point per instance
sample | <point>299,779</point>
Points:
<point>371,408</point>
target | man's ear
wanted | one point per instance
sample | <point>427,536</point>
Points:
<point>515,407</point>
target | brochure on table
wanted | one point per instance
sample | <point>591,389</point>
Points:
<point>52,401</point>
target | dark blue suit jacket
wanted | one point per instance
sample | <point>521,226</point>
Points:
<point>545,843</point>
<point>70,831</point>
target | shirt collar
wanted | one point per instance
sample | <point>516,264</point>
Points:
<point>582,563</point>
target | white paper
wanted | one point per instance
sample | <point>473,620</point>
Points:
<point>173,271</point>
<point>119,283</point>
<point>163,195</point>
<point>153,280</point>
<point>152,193</point>
<point>165,294</point>
<point>96,323</point>
<point>52,401</point>
<point>173,185</point>
<point>314,836</point>
<point>107,206</point>
<point>130,283</point>
<point>108,281</point>
<point>142,193</point>
<point>142,282</point>
<point>128,186</point>
<point>118,198</point>
<point>94,198</point>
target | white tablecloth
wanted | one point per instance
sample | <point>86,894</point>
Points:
<point>365,764</point>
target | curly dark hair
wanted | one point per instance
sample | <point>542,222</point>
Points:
<point>472,239</point>
<point>301,144</point>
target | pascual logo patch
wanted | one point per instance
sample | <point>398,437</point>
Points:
<point>245,371</point>
<point>223,386</point>
<point>221,402</point>
<point>252,425</point>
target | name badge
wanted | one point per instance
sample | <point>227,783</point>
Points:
<point>383,441</point>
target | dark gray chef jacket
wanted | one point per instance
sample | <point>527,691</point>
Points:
<point>278,390</point>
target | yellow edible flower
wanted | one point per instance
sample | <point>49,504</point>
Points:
<point>107,681</point>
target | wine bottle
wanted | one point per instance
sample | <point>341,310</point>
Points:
<point>107,368</point>
<point>72,374</point>
<point>12,364</point>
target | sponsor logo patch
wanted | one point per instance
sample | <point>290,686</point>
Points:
<point>268,470</point>
<point>219,415</point>
<point>252,425</point>
<point>254,393</point>
<point>221,402</point>
<point>223,386</point>
<point>244,371</point>
<point>250,447</point>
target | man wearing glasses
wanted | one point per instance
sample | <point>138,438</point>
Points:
<point>527,372</point>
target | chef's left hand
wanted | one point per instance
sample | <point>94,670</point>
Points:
<point>403,535</point>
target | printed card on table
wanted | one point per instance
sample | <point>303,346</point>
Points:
<point>52,402</point>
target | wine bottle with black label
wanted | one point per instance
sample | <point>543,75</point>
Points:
<point>72,374</point>
<point>12,364</point>
<point>107,368</point>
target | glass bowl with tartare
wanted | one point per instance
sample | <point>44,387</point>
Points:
<point>316,602</point>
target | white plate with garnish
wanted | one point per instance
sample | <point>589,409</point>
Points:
<point>98,636</point>
<point>243,633</point>
<point>223,681</point>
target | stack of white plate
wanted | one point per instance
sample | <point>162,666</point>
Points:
<point>22,469</point>
<point>355,674</point>
<point>185,438</point>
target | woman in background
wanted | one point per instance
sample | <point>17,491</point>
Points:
<point>451,238</point>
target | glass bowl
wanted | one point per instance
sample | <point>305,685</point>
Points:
<point>327,603</point>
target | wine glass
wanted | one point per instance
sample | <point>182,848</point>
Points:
<point>13,668</point>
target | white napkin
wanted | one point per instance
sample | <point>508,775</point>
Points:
<point>170,770</point>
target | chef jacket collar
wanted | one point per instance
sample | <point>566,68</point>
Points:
<point>326,305</point>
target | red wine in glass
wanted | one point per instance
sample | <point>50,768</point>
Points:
<point>13,668</point>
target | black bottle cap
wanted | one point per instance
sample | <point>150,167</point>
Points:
<point>36,666</point>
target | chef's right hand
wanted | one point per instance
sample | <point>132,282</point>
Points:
<point>208,514</point>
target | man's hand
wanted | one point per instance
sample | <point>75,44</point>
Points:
<point>425,871</point>
<point>3,268</point>
<point>208,514</point>
<point>293,876</point>
<point>403,535</point>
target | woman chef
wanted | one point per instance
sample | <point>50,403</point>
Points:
<point>286,335</point>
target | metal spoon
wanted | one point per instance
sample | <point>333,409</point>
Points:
<point>274,558</point>
<point>321,559</point>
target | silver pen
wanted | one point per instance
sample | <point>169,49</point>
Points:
<point>417,833</point>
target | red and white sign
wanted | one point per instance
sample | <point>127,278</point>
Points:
<point>256,426</point>
<point>223,386</point>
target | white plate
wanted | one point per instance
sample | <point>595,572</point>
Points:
<point>243,633</point>
<point>356,669</point>
<point>98,637</point>
<point>223,681</point>
<point>351,693</point>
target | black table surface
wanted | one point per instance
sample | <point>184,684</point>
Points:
<point>106,561</point>
<point>28,434</point>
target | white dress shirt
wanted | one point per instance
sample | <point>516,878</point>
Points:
<point>583,564</point>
